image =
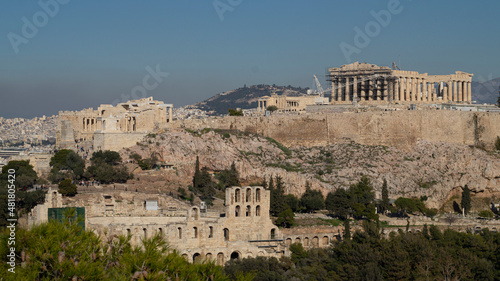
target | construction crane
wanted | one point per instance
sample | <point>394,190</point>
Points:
<point>319,89</point>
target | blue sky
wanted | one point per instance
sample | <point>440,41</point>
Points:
<point>85,53</point>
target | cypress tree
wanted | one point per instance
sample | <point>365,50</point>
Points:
<point>466,201</point>
<point>385,198</point>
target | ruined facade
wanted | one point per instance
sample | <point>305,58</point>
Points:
<point>243,229</point>
<point>112,127</point>
<point>286,103</point>
<point>363,82</point>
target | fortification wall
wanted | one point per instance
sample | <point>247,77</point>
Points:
<point>116,141</point>
<point>400,129</point>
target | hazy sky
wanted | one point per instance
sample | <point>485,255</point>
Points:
<point>68,55</point>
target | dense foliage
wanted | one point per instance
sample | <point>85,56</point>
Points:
<point>430,255</point>
<point>25,177</point>
<point>358,201</point>
<point>67,188</point>
<point>66,164</point>
<point>62,251</point>
<point>234,112</point>
<point>107,167</point>
<point>466,200</point>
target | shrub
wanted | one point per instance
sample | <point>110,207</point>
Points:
<point>67,188</point>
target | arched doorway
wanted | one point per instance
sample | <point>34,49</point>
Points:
<point>197,258</point>
<point>235,255</point>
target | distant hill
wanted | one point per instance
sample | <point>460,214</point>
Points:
<point>245,97</point>
<point>486,92</point>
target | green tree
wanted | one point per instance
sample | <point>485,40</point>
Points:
<point>293,202</point>
<point>286,218</point>
<point>107,168</point>
<point>384,205</point>
<point>67,188</point>
<point>233,112</point>
<point>278,203</point>
<point>229,177</point>
<point>339,203</point>
<point>362,197</point>
<point>25,175</point>
<point>197,173</point>
<point>66,164</point>
<point>312,200</point>
<point>466,200</point>
<point>272,108</point>
<point>63,251</point>
<point>347,230</point>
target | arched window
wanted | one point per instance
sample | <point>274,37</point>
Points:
<point>211,232</point>
<point>226,234</point>
<point>273,233</point>
<point>195,213</point>
<point>237,195</point>
<point>179,231</point>
<point>220,259</point>
<point>257,211</point>
<point>160,231</point>
<point>257,195</point>
<point>145,232</point>
<point>237,211</point>
<point>248,212</point>
<point>195,232</point>
<point>248,195</point>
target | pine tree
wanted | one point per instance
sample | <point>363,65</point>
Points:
<point>466,201</point>
<point>264,183</point>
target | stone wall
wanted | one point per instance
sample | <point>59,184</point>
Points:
<point>116,141</point>
<point>400,129</point>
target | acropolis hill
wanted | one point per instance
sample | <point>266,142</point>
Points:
<point>400,129</point>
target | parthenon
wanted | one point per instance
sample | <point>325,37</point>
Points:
<point>363,82</point>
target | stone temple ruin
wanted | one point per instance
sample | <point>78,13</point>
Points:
<point>366,82</point>
<point>112,127</point>
<point>243,229</point>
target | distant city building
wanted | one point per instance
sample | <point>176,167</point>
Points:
<point>365,82</point>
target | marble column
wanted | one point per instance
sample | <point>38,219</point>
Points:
<point>385,88</point>
<point>396,90</point>
<point>469,92</point>
<point>370,90</point>
<point>347,89</point>
<point>355,88</point>
<point>460,92</point>
<point>362,90</point>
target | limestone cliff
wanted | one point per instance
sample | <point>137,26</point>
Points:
<point>434,169</point>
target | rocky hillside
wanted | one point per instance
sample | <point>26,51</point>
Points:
<point>435,170</point>
<point>245,97</point>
